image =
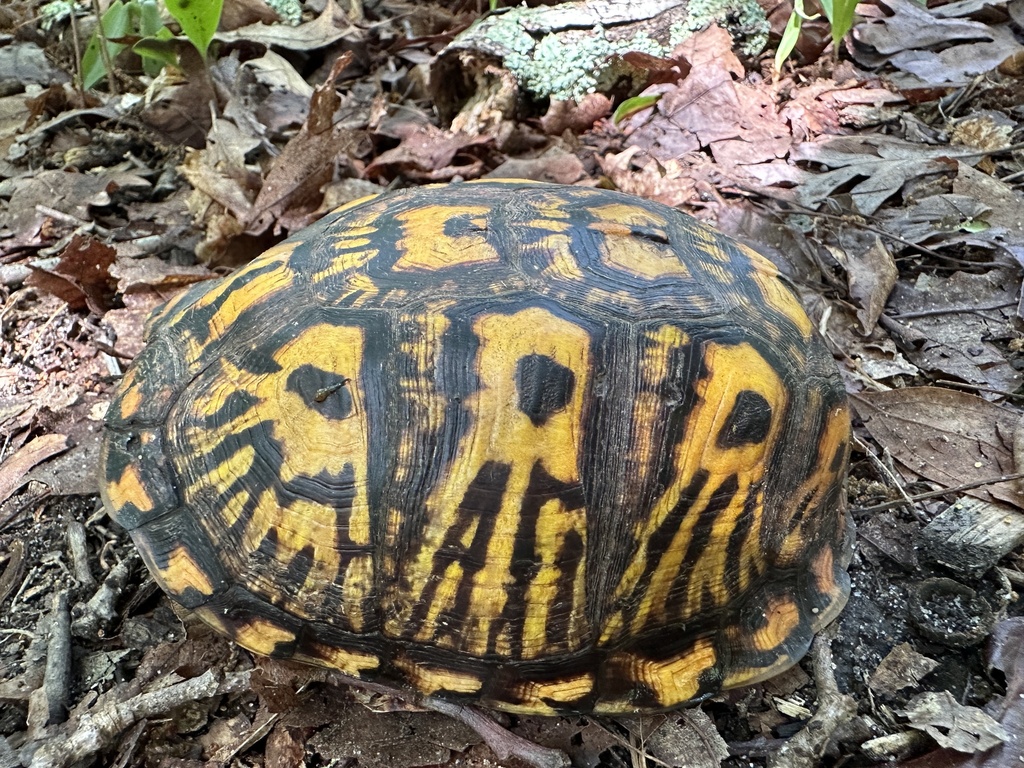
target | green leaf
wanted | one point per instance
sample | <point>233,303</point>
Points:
<point>158,51</point>
<point>150,22</point>
<point>789,37</point>
<point>116,22</point>
<point>842,19</point>
<point>198,19</point>
<point>634,105</point>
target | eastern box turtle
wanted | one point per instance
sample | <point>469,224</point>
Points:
<point>544,448</point>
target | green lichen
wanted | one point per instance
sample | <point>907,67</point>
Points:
<point>573,64</point>
<point>744,19</point>
<point>569,64</point>
<point>290,11</point>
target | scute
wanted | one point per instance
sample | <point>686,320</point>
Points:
<point>550,449</point>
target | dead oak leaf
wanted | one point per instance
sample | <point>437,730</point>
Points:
<point>877,166</point>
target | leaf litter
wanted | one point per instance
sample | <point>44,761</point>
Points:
<point>886,182</point>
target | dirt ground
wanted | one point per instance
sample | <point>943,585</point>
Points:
<point>884,176</point>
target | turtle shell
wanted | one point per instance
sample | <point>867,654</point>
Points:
<point>548,449</point>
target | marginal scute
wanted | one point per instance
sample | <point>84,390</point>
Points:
<point>549,449</point>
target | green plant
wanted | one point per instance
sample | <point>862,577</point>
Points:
<point>839,14</point>
<point>142,19</point>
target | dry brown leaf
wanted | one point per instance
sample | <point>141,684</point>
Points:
<point>901,668</point>
<point>555,165</point>
<point>569,116</point>
<point>82,277</point>
<point>430,154</point>
<point>15,467</point>
<point>878,166</point>
<point>953,325</point>
<point>948,437</point>
<point>326,29</point>
<point>952,725</point>
<point>871,274</point>
<point>931,48</point>
<point>292,188</point>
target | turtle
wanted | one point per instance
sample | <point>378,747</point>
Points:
<point>540,448</point>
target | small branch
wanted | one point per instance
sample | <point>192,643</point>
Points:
<point>940,492</point>
<point>100,610</point>
<point>96,731</point>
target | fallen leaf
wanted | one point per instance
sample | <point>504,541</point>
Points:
<point>81,277</point>
<point>326,29</point>
<point>15,467</point>
<point>901,668</point>
<point>870,273</point>
<point>877,166</point>
<point>932,46</point>
<point>955,324</point>
<point>948,437</point>
<point>1006,653</point>
<point>430,154</point>
<point>952,725</point>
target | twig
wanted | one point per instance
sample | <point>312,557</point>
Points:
<point>806,749</point>
<point>100,610</point>
<point>952,310</point>
<point>96,731</point>
<point>502,742</point>
<point>940,492</point>
<point>57,679</point>
<point>14,571</point>
<point>79,554</point>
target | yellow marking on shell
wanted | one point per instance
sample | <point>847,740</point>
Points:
<point>623,250</point>
<point>183,572</point>
<point>781,617</point>
<point>709,242</point>
<point>426,246</point>
<point>822,566</point>
<point>444,599</point>
<point>349,662</point>
<point>562,265</point>
<point>350,245</point>
<point>131,398</point>
<point>311,443</point>
<point>810,494</point>
<point>781,298</point>
<point>213,619</point>
<point>262,636</point>
<point>128,489</point>
<point>627,215</point>
<point>672,681</point>
<point>234,295</point>
<point>500,433</point>
<point>233,505</point>
<point>739,677</point>
<point>429,680</point>
<point>354,203</point>
<point>534,696</point>
<point>731,370</point>
<point>553,526</point>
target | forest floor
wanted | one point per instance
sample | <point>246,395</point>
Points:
<point>884,178</point>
